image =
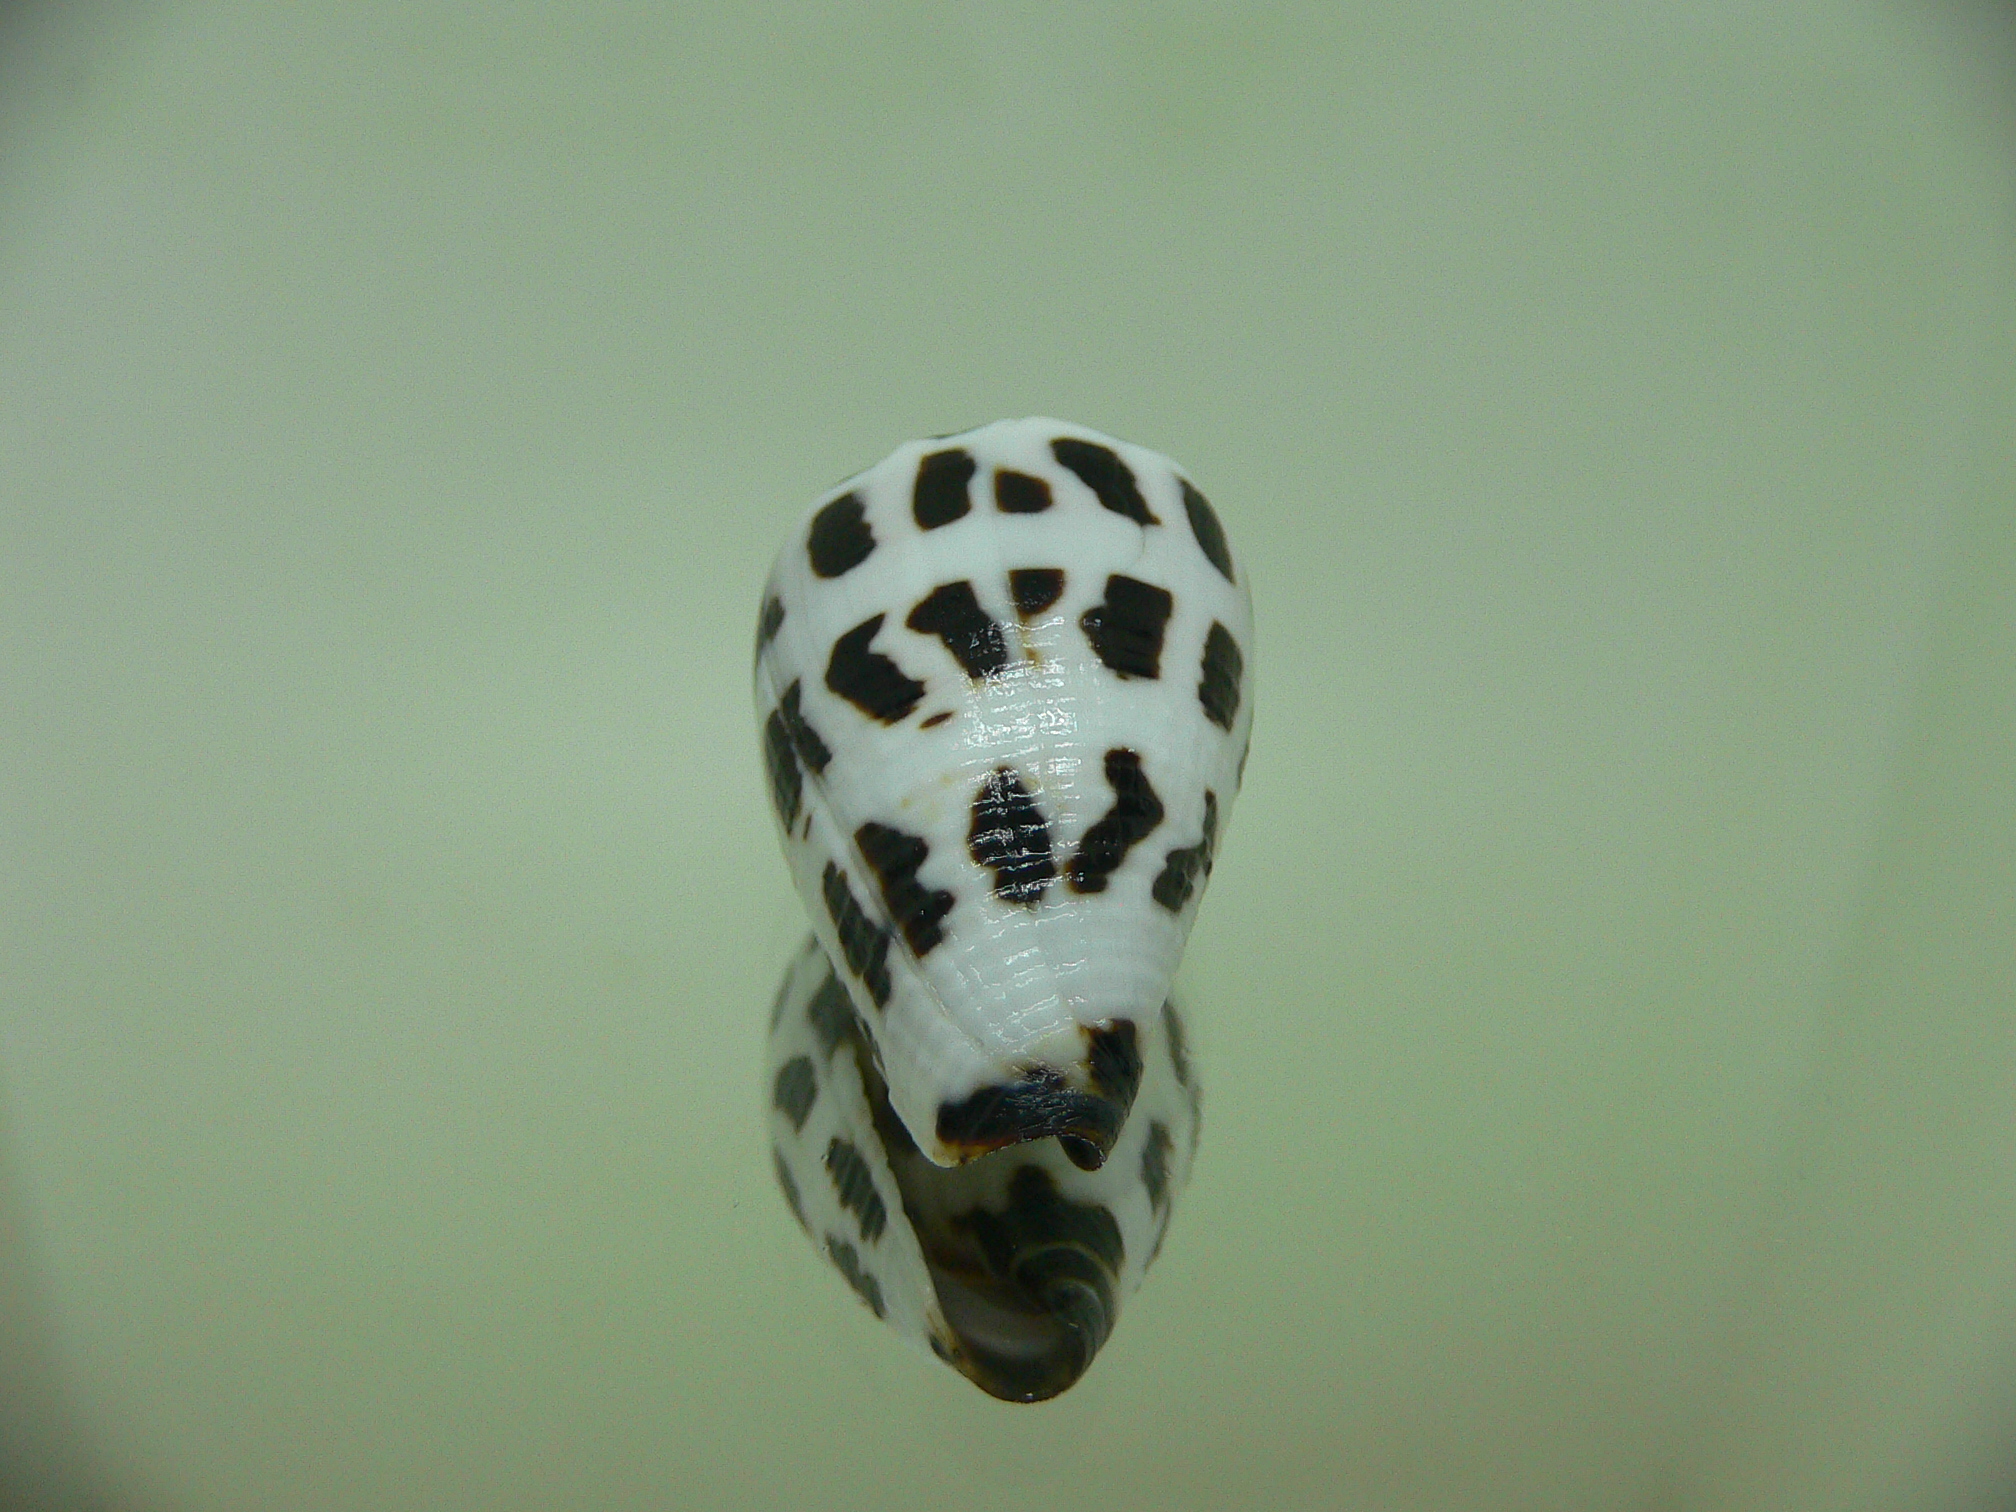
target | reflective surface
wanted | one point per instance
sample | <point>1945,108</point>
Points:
<point>1609,968</point>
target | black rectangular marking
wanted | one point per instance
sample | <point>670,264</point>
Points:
<point>894,856</point>
<point>953,614</point>
<point>1126,630</point>
<point>869,680</point>
<point>1223,667</point>
<point>1011,838</point>
<point>863,942</point>
<point>1100,469</point>
<point>1035,589</point>
<point>939,495</point>
<point>1135,813</point>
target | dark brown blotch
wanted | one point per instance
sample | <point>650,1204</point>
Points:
<point>854,1184</point>
<point>795,1090</point>
<point>1179,1044</point>
<point>840,538</point>
<point>1010,837</point>
<point>789,739</point>
<point>1126,629</point>
<point>1186,864</point>
<point>777,1003</point>
<point>847,1260</point>
<point>1018,493</point>
<point>863,943</point>
<point>1135,812</point>
<point>1204,525</point>
<point>1100,469</point>
<point>1155,1163</point>
<point>953,614</point>
<point>1223,667</point>
<point>786,782</point>
<point>894,856</point>
<point>769,622</point>
<point>1035,589</point>
<point>831,1014</point>
<point>804,739</point>
<point>789,1184</point>
<point>869,680</point>
<point>939,495</point>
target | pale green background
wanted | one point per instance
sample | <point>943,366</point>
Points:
<point>1605,996</point>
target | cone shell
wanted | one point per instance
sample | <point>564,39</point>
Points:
<point>1002,680</point>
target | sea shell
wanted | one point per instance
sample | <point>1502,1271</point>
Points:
<point>1003,685</point>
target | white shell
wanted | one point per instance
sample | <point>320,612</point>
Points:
<point>1003,682</point>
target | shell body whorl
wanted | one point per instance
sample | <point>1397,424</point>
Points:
<point>1003,687</point>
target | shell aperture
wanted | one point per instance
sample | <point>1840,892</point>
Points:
<point>1003,691</point>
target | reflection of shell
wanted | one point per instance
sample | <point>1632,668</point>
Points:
<point>1011,1267</point>
<point>1002,680</point>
